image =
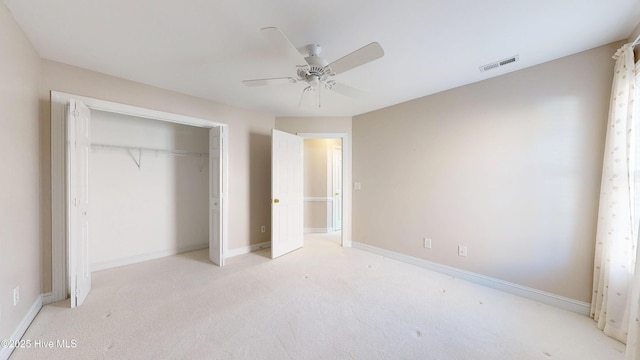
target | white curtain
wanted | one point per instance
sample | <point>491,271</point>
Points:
<point>633,338</point>
<point>616,287</point>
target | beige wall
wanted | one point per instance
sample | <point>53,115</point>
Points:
<point>315,167</point>
<point>20,202</point>
<point>509,167</point>
<point>295,125</point>
<point>249,142</point>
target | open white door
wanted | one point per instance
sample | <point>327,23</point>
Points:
<point>78,147</point>
<point>215,196</point>
<point>286,192</point>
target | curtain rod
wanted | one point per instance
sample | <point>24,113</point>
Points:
<point>636,41</point>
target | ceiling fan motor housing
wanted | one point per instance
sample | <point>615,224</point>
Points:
<point>317,71</point>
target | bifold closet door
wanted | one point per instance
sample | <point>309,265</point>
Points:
<point>78,233</point>
<point>215,195</point>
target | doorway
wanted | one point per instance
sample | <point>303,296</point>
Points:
<point>287,163</point>
<point>344,203</point>
<point>322,185</point>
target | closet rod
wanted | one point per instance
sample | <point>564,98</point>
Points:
<point>129,148</point>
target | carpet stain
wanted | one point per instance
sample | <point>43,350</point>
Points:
<point>546,353</point>
<point>418,333</point>
<point>107,315</point>
<point>480,302</point>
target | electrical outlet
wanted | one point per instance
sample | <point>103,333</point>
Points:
<point>427,243</point>
<point>263,228</point>
<point>462,250</point>
<point>16,295</point>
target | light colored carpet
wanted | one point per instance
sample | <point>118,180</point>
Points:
<point>319,302</point>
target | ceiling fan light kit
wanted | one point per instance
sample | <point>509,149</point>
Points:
<point>317,71</point>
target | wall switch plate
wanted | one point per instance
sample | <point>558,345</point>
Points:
<point>427,243</point>
<point>462,250</point>
<point>263,228</point>
<point>357,185</point>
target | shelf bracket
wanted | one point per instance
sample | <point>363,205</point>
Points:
<point>138,161</point>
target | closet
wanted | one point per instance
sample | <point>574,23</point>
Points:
<point>131,184</point>
<point>149,184</point>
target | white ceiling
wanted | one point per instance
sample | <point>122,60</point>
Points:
<point>205,48</point>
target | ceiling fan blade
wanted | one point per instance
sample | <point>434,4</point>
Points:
<point>271,81</point>
<point>347,90</point>
<point>282,43</point>
<point>359,57</point>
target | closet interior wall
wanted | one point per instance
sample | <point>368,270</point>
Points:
<point>144,203</point>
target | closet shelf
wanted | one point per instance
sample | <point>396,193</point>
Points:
<point>138,161</point>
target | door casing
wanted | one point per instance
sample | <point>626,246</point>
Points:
<point>336,187</point>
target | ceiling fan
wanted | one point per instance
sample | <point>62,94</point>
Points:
<point>314,70</point>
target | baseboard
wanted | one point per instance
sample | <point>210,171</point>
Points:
<point>5,352</point>
<point>159,254</point>
<point>145,257</point>
<point>318,230</point>
<point>47,298</point>
<point>526,292</point>
<point>248,249</point>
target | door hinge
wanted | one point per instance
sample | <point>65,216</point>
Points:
<point>77,293</point>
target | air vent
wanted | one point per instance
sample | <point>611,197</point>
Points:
<point>500,63</point>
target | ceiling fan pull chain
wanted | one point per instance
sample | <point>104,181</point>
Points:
<point>302,96</point>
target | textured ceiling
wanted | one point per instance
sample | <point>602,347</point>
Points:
<point>206,48</point>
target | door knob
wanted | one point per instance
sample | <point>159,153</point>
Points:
<point>276,201</point>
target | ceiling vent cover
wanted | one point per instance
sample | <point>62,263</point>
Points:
<point>499,63</point>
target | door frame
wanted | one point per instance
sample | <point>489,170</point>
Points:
<point>334,218</point>
<point>59,251</point>
<point>346,179</point>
